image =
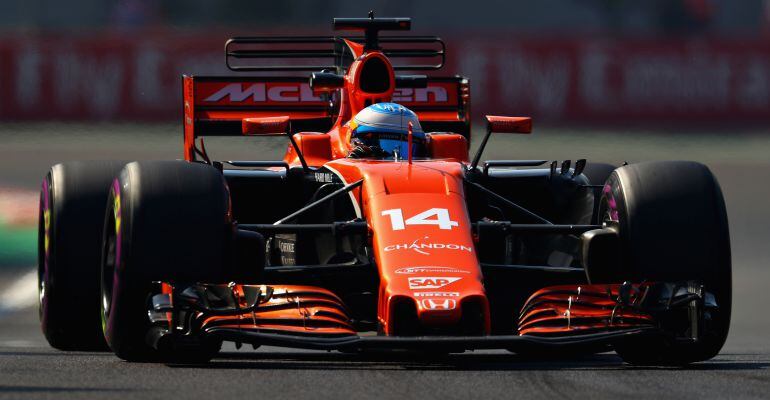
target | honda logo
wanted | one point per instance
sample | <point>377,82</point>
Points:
<point>439,304</point>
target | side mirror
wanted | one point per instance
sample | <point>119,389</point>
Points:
<point>265,126</point>
<point>501,125</point>
<point>509,124</point>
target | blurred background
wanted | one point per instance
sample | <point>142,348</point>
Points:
<point>607,80</point>
<point>562,61</point>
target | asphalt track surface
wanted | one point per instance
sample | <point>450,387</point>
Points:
<point>31,369</point>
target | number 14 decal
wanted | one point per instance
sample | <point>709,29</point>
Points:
<point>434,216</point>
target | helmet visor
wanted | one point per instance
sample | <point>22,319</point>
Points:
<point>395,143</point>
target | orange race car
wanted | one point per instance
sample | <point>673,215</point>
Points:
<point>376,231</point>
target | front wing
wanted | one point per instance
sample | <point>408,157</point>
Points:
<point>570,317</point>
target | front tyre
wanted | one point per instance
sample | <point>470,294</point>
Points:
<point>597,174</point>
<point>166,221</point>
<point>673,227</point>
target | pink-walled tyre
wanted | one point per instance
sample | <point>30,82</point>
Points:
<point>166,221</point>
<point>673,227</point>
<point>72,203</point>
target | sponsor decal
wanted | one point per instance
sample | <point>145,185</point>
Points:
<point>286,246</point>
<point>422,246</point>
<point>325,177</point>
<point>439,304</point>
<point>436,294</point>
<point>430,94</point>
<point>430,270</point>
<point>260,92</point>
<point>431,282</point>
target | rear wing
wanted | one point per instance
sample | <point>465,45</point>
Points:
<point>216,106</point>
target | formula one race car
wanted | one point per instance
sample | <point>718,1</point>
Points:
<point>376,231</point>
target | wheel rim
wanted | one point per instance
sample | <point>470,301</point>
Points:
<point>110,256</point>
<point>608,207</point>
<point>108,273</point>
<point>44,250</point>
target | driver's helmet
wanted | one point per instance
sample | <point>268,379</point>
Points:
<point>383,127</point>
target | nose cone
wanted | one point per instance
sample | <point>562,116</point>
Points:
<point>430,279</point>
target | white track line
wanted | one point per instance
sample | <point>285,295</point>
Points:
<point>20,295</point>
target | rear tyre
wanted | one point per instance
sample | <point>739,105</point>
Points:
<point>598,173</point>
<point>166,221</point>
<point>72,204</point>
<point>673,227</point>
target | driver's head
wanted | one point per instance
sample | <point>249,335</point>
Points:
<point>385,125</point>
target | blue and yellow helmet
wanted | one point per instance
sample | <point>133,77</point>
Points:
<point>385,125</point>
